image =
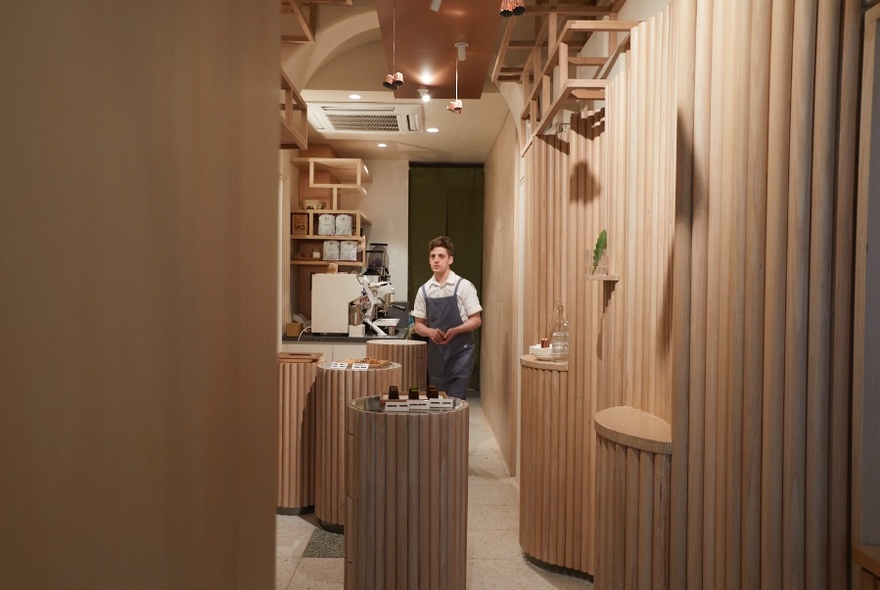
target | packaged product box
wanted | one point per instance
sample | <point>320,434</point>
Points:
<point>299,224</point>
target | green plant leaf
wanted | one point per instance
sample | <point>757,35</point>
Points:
<point>601,243</point>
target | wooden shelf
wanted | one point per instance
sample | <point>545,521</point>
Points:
<point>346,175</point>
<point>550,74</point>
<point>603,278</point>
<point>294,122</point>
<point>308,219</point>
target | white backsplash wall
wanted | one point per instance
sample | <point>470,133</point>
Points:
<point>386,204</point>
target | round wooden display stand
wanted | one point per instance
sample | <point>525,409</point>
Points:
<point>406,519</point>
<point>335,388</point>
<point>632,507</point>
<point>555,509</point>
<point>296,440</point>
<point>412,356</point>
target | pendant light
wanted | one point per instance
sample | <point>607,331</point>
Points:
<point>512,7</point>
<point>454,106</point>
<point>395,80</point>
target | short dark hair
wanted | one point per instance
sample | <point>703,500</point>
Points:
<point>442,242</point>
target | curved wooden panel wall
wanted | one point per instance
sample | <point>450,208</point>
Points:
<point>729,134</point>
<point>335,388</point>
<point>406,518</point>
<point>296,425</point>
<point>412,356</point>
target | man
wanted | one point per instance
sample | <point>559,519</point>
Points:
<point>446,312</point>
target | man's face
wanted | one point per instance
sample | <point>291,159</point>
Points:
<point>440,260</point>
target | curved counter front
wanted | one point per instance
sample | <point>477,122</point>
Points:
<point>296,437</point>
<point>557,479</point>
<point>335,388</point>
<point>633,505</point>
<point>407,488</point>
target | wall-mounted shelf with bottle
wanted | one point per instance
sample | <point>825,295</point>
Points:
<point>319,236</point>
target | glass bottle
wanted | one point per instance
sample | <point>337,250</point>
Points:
<point>558,333</point>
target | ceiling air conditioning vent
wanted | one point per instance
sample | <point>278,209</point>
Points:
<point>382,119</point>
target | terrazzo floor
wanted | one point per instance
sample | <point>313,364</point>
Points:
<point>495,559</point>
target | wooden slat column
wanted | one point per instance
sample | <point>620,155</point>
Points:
<point>412,356</point>
<point>406,517</point>
<point>296,425</point>
<point>335,388</point>
<point>557,492</point>
<point>633,507</point>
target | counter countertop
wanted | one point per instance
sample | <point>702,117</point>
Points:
<point>339,338</point>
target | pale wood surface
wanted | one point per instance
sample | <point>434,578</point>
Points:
<point>334,389</point>
<point>406,519</point>
<point>296,425</point>
<point>634,428</point>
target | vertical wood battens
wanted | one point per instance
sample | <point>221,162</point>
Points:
<point>334,389</point>
<point>725,179</point>
<point>296,421</point>
<point>683,31</point>
<point>425,495</point>
<point>633,526</point>
<point>797,297</point>
<point>842,297</point>
<point>820,294</point>
<point>756,228</point>
<point>774,294</point>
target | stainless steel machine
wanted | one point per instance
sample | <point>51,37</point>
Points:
<point>343,302</point>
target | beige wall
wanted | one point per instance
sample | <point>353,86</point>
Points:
<point>138,260</point>
<point>499,371</point>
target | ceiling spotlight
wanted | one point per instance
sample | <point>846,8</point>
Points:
<point>423,92</point>
<point>461,45</point>
<point>354,96</point>
<point>382,145</point>
<point>454,107</point>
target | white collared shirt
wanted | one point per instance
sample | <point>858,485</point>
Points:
<point>468,300</point>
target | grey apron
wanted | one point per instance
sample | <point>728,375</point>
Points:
<point>449,365</point>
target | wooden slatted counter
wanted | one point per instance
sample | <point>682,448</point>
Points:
<point>335,388</point>
<point>406,518</point>
<point>296,425</point>
<point>557,476</point>
<point>412,356</point>
<point>633,479</point>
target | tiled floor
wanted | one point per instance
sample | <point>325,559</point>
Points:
<point>495,559</point>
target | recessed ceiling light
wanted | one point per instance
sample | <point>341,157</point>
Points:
<point>354,96</point>
<point>382,145</point>
<point>432,130</point>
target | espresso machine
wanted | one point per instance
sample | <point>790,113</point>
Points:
<point>343,303</point>
<point>332,296</point>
